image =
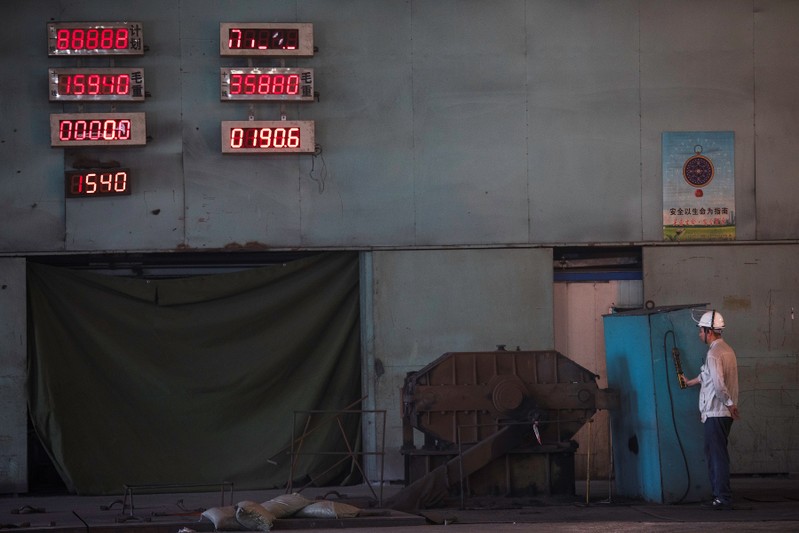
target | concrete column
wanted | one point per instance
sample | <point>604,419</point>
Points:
<point>13,404</point>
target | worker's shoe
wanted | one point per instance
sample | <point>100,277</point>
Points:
<point>718,505</point>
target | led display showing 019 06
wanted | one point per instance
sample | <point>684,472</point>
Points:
<point>268,137</point>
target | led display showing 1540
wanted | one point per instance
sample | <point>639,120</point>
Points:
<point>97,129</point>
<point>96,84</point>
<point>268,137</point>
<point>92,183</point>
<point>281,84</point>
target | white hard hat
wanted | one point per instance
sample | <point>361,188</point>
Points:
<point>711,319</point>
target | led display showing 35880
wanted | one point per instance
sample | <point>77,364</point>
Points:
<point>281,84</point>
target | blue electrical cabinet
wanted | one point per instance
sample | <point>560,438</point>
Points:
<point>657,437</point>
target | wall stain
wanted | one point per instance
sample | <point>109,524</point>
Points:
<point>737,303</point>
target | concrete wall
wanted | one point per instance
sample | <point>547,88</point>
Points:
<point>442,124</point>
<point>13,357</point>
<point>757,292</point>
<point>446,122</point>
<point>423,304</point>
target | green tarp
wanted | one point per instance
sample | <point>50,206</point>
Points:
<point>193,380</point>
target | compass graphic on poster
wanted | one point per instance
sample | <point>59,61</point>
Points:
<point>698,170</point>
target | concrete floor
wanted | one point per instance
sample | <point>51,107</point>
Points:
<point>762,504</point>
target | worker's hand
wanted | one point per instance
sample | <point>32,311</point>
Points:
<point>734,412</point>
<point>692,382</point>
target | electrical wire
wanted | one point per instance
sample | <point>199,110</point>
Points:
<point>673,419</point>
<point>323,174</point>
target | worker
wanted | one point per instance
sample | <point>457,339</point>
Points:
<point>718,405</point>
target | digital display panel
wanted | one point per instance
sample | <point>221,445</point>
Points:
<point>97,182</point>
<point>266,39</point>
<point>268,137</point>
<point>96,84</point>
<point>281,84</point>
<point>94,38</point>
<point>97,129</point>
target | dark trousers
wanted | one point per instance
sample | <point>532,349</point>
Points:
<point>717,431</point>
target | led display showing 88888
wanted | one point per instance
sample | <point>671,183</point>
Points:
<point>94,38</point>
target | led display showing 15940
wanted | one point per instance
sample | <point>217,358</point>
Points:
<point>96,84</point>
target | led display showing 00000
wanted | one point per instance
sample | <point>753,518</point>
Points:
<point>97,129</point>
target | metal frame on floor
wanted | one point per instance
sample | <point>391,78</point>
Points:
<point>351,453</point>
<point>226,487</point>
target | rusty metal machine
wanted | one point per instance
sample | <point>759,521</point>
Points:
<point>494,423</point>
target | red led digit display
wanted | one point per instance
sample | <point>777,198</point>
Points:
<point>278,39</point>
<point>264,84</point>
<point>97,182</point>
<point>109,129</point>
<point>267,84</point>
<point>110,39</point>
<point>263,39</point>
<point>97,129</point>
<point>95,38</point>
<point>97,84</point>
<point>283,136</point>
<point>279,138</point>
<point>94,84</point>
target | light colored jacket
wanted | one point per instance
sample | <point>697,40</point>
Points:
<point>719,381</point>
